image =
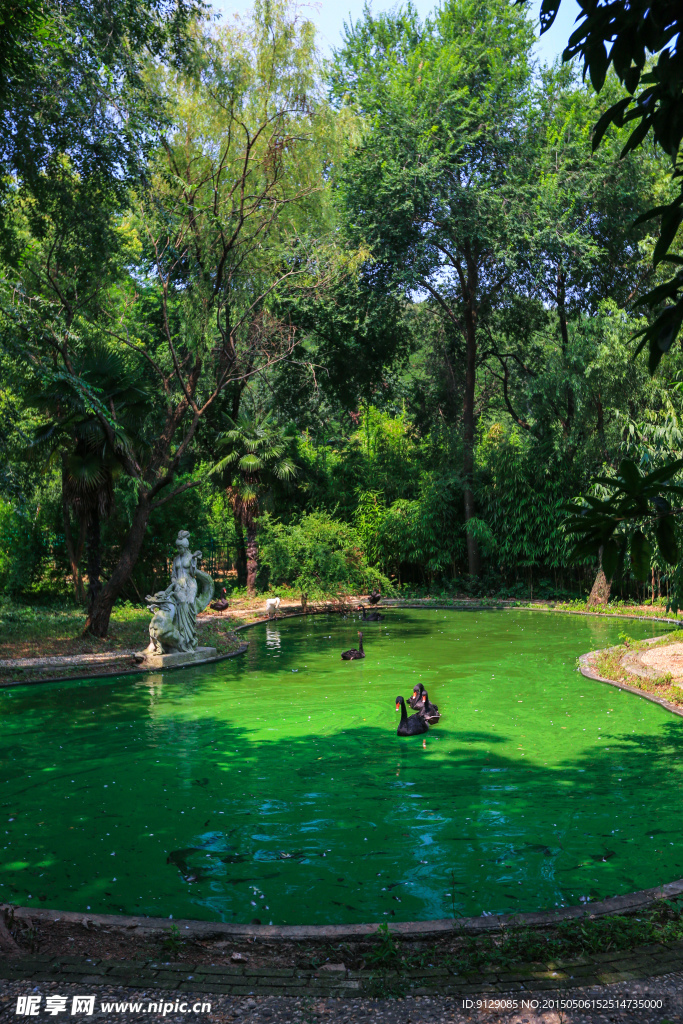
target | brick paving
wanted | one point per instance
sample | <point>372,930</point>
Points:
<point>339,982</point>
<point>657,1000</point>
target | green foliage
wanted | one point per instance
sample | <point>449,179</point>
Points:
<point>521,501</point>
<point>173,942</point>
<point>607,525</point>
<point>662,923</point>
<point>385,950</point>
<point>258,458</point>
<point>431,293</point>
<point>318,556</point>
<point>644,39</point>
<point>72,81</point>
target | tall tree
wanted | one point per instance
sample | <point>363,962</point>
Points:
<point>214,236</point>
<point>73,83</point>
<point>645,41</point>
<point>436,184</point>
<point>71,433</point>
<point>258,458</point>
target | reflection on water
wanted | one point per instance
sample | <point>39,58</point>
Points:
<point>273,787</point>
<point>273,639</point>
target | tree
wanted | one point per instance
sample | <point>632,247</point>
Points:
<point>436,184</point>
<point>73,84</point>
<point>212,239</point>
<point>71,432</point>
<point>258,459</point>
<point>645,39</point>
<point>582,248</point>
<point>604,527</point>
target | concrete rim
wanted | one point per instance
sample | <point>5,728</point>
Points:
<point>630,903</point>
<point>627,904</point>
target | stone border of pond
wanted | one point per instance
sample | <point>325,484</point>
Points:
<point>110,664</point>
<point>630,903</point>
<point>336,981</point>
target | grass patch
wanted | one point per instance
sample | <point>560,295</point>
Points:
<point>570,940</point>
<point>516,948</point>
<point>655,611</point>
<point>610,664</point>
<point>27,632</point>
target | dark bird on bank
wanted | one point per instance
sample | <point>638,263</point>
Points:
<point>353,654</point>
<point>221,604</point>
<point>375,597</point>
<point>370,616</point>
<point>415,702</point>
<point>429,711</point>
<point>412,726</point>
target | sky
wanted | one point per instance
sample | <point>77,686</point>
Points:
<point>330,15</point>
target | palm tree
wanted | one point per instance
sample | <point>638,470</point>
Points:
<point>257,459</point>
<point>102,382</point>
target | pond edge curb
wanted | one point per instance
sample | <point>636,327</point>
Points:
<point>630,903</point>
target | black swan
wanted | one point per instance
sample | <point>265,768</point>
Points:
<point>415,702</point>
<point>371,616</point>
<point>375,597</point>
<point>221,605</point>
<point>429,711</point>
<point>412,726</point>
<point>353,654</point>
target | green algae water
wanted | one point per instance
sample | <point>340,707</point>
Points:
<point>273,787</point>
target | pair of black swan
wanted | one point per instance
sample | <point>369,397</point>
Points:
<point>427,714</point>
<point>420,702</point>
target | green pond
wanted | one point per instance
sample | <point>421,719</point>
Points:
<point>273,787</point>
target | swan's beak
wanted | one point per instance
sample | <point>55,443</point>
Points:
<point>398,707</point>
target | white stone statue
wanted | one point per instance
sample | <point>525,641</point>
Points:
<point>174,621</point>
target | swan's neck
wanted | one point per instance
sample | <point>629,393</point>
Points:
<point>360,645</point>
<point>404,713</point>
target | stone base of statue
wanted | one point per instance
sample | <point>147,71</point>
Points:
<point>175,658</point>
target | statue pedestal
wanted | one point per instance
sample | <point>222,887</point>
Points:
<point>176,659</point>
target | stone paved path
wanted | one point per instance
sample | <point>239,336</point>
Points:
<point>337,981</point>
<point>653,1001</point>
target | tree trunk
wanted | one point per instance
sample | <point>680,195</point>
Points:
<point>7,942</point>
<point>600,591</point>
<point>94,564</point>
<point>564,333</point>
<point>74,552</point>
<point>468,421</point>
<point>97,622</point>
<point>241,559</point>
<point>252,557</point>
